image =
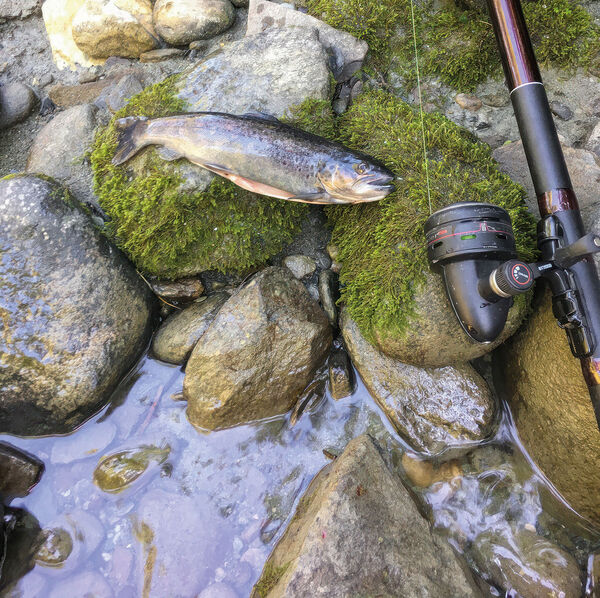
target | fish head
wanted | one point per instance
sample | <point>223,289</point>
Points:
<point>358,178</point>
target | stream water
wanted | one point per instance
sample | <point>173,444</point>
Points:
<point>213,510</point>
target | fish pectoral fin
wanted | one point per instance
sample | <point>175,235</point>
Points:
<point>168,154</point>
<point>262,116</point>
<point>216,168</point>
<point>317,197</point>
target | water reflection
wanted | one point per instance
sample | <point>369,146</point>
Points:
<point>212,512</point>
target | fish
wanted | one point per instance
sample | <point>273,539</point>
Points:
<point>261,154</point>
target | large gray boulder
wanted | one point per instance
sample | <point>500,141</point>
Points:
<point>59,150</point>
<point>347,53</point>
<point>74,315</point>
<point>357,532</point>
<point>259,353</point>
<point>432,408</point>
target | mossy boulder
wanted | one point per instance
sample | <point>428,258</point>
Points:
<point>175,219</point>
<point>386,281</point>
<point>552,409</point>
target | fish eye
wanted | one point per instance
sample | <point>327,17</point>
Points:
<point>360,168</point>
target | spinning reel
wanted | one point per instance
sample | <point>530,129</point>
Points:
<point>473,244</point>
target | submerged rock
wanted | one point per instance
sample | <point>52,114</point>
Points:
<point>347,53</point>
<point>340,374</point>
<point>56,547</point>
<point>118,471</point>
<point>552,409</point>
<point>103,28</point>
<point>179,334</point>
<point>19,472</point>
<point>184,21</point>
<point>434,337</point>
<point>259,353</point>
<point>16,103</point>
<point>328,294</point>
<point>59,148</point>
<point>527,565</point>
<point>74,315</point>
<point>357,532</point>
<point>300,265</point>
<point>431,408</point>
<point>184,289</point>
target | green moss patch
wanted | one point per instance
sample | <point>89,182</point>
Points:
<point>269,579</point>
<point>382,245</point>
<point>169,232</point>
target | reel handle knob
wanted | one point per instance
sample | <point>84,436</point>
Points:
<point>511,278</point>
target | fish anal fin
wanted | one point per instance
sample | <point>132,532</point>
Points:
<point>168,154</point>
<point>317,197</point>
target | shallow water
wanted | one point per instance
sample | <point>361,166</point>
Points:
<point>214,510</point>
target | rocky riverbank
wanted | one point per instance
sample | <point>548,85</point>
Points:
<point>262,309</point>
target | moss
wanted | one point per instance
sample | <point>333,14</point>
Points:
<point>381,245</point>
<point>170,232</point>
<point>457,43</point>
<point>269,578</point>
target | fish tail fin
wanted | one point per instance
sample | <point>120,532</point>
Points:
<point>130,130</point>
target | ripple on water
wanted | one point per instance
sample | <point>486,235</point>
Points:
<point>207,518</point>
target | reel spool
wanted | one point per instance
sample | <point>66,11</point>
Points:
<point>474,246</point>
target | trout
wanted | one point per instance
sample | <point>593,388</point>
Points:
<point>261,154</point>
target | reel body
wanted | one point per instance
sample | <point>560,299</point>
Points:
<point>474,247</point>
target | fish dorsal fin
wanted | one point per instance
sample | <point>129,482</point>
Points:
<point>168,154</point>
<point>262,116</point>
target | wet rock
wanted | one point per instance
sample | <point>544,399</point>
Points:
<point>218,590</point>
<point>496,100</point>
<point>468,102</point>
<point>184,21</point>
<point>18,9</point>
<point>19,541</point>
<point>529,565</point>
<point>435,337</point>
<point>19,472</point>
<point>16,103</point>
<point>357,532</point>
<point>329,293</point>
<point>259,353</point>
<point>182,563</point>
<point>161,54</point>
<point>56,547</point>
<point>103,28</point>
<point>80,584</point>
<point>179,334</point>
<point>340,374</point>
<point>59,148</point>
<point>423,473</point>
<point>81,446</point>
<point>536,393</point>
<point>116,472</point>
<point>347,52</point>
<point>184,289</point>
<point>76,315</point>
<point>84,93</point>
<point>563,112</point>
<point>300,265</point>
<point>593,142</point>
<point>115,97</point>
<point>431,408</point>
<point>293,68</point>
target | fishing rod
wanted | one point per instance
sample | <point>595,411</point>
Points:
<point>473,243</point>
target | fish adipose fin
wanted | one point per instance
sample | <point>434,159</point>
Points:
<point>130,130</point>
<point>169,154</point>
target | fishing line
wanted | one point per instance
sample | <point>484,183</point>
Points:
<point>412,14</point>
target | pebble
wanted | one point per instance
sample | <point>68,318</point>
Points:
<point>329,294</point>
<point>56,547</point>
<point>300,265</point>
<point>594,107</point>
<point>161,54</point>
<point>340,374</point>
<point>83,93</point>
<point>16,103</point>
<point>593,142</point>
<point>423,473</point>
<point>184,289</point>
<point>333,252</point>
<point>561,111</point>
<point>43,80</point>
<point>116,97</point>
<point>468,102</point>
